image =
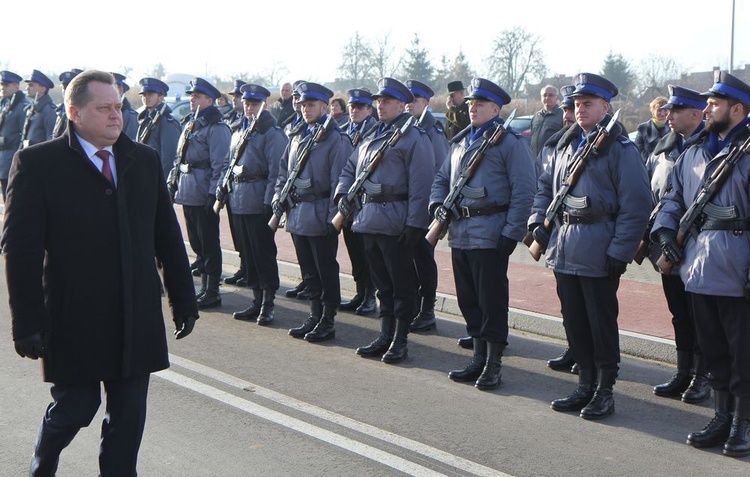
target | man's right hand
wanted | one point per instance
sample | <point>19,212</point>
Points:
<point>669,246</point>
<point>346,206</point>
<point>278,209</point>
<point>31,346</point>
<point>541,235</point>
<point>440,213</point>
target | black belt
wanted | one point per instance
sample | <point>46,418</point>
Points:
<point>717,224</point>
<point>467,212</point>
<point>312,196</point>
<point>570,219</point>
<point>383,198</point>
<point>249,178</point>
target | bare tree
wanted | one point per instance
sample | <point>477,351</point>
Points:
<point>356,63</point>
<point>656,71</point>
<point>383,64</point>
<point>516,58</point>
<point>275,73</point>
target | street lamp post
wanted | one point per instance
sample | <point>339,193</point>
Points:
<point>731,48</point>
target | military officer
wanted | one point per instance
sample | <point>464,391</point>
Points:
<point>129,115</point>
<point>714,262</point>
<point>40,114</point>
<point>12,117</point>
<point>194,180</point>
<point>156,126</point>
<point>392,214</point>
<point>457,116</point>
<point>311,210</point>
<point>61,123</point>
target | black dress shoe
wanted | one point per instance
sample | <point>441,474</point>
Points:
<point>242,282</point>
<point>304,294</point>
<point>196,272</point>
<point>232,280</point>
<point>466,342</point>
<point>563,362</point>
<point>292,292</point>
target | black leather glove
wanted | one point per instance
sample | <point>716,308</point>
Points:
<point>221,195</point>
<point>440,213</point>
<point>267,212</point>
<point>278,208</point>
<point>410,236</point>
<point>541,235</point>
<point>615,267</point>
<point>668,242</point>
<point>346,206</point>
<point>331,232</point>
<point>210,201</point>
<point>506,245</point>
<point>183,326</point>
<point>31,346</point>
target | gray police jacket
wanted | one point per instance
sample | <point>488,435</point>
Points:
<point>129,120</point>
<point>42,122</point>
<point>163,137</point>
<point>61,123</point>
<point>506,177</point>
<point>206,153</point>
<point>258,168</point>
<point>613,191</point>
<point>715,262</point>
<point>10,133</point>
<point>318,178</point>
<point>406,170</point>
<point>437,137</point>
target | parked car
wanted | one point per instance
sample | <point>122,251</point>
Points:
<point>522,125</point>
<point>180,108</point>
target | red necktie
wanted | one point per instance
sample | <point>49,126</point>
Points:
<point>106,170</point>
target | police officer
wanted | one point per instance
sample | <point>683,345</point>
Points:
<point>685,118</point>
<point>602,222</point>
<point>194,180</point>
<point>309,218</point>
<point>360,123</point>
<point>714,262</point>
<point>12,117</point>
<point>129,115</point>
<point>156,126</point>
<point>235,117</point>
<point>457,116</point>
<point>392,214</point>
<point>493,212</point>
<point>251,188</point>
<point>61,123</point>
<point>40,114</point>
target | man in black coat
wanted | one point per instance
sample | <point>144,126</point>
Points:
<point>89,201</point>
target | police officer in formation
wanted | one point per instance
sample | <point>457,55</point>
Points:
<point>685,118</point>
<point>602,222</point>
<point>156,126</point>
<point>40,113</point>
<point>261,144</point>
<point>129,115</point>
<point>491,221</point>
<point>714,263</point>
<point>12,117</point>
<point>61,123</point>
<point>234,118</point>
<point>360,123</point>
<point>194,180</point>
<point>309,215</point>
<point>392,214</point>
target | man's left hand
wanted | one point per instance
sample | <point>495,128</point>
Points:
<point>31,346</point>
<point>615,267</point>
<point>506,245</point>
<point>183,326</point>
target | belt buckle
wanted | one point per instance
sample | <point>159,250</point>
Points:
<point>566,218</point>
<point>465,211</point>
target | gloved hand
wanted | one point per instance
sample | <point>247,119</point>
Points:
<point>440,213</point>
<point>541,235</point>
<point>267,212</point>
<point>172,189</point>
<point>278,208</point>
<point>183,326</point>
<point>221,195</point>
<point>346,206</point>
<point>506,245</point>
<point>210,200</point>
<point>410,236</point>
<point>31,346</point>
<point>615,267</point>
<point>331,232</point>
<point>668,242</point>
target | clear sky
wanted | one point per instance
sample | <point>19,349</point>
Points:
<point>222,37</point>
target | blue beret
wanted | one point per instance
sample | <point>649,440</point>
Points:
<point>481,88</point>
<point>589,84</point>
<point>254,92</point>
<point>237,85</point>
<point>566,92</point>
<point>310,91</point>
<point>39,77</point>
<point>395,89</point>
<point>199,85</point>
<point>359,96</point>
<point>418,88</point>
<point>67,76</point>
<point>680,97</point>
<point>9,77</point>
<point>728,86</point>
<point>120,79</point>
<point>153,85</point>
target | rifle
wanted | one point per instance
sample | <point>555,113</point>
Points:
<point>712,185</point>
<point>438,229</point>
<point>285,197</point>
<point>645,243</point>
<point>6,109</point>
<point>577,166</point>
<point>357,188</point>
<point>182,146</point>
<point>146,131</point>
<point>227,180</point>
<point>421,116</point>
<point>27,123</point>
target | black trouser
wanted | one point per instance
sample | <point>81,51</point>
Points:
<point>75,405</point>
<point>427,271</point>
<point>392,267</point>
<point>678,302</point>
<point>355,247</point>
<point>234,234</point>
<point>4,187</point>
<point>258,248</point>
<point>723,326</point>
<point>481,278</point>
<point>590,309</point>
<point>203,234</point>
<point>317,259</point>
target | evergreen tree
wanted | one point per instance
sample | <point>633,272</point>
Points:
<point>617,70</point>
<point>418,66</point>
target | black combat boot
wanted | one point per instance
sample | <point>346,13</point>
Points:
<point>563,362</point>
<point>316,311</point>
<point>575,369</point>
<point>369,304</point>
<point>266,309</point>
<point>251,312</point>
<point>603,403</point>
<point>490,377</point>
<point>232,279</point>
<point>738,444</point>
<point>398,351</point>
<point>204,284</point>
<point>293,292</point>
<point>467,342</point>
<point>212,297</point>
<point>378,347</point>
<point>324,329</point>
<point>699,389</point>
<point>476,364</point>
<point>357,300</point>
<point>425,320</point>
<point>582,394</point>
<point>304,294</point>
<point>717,430</point>
<point>681,380</point>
